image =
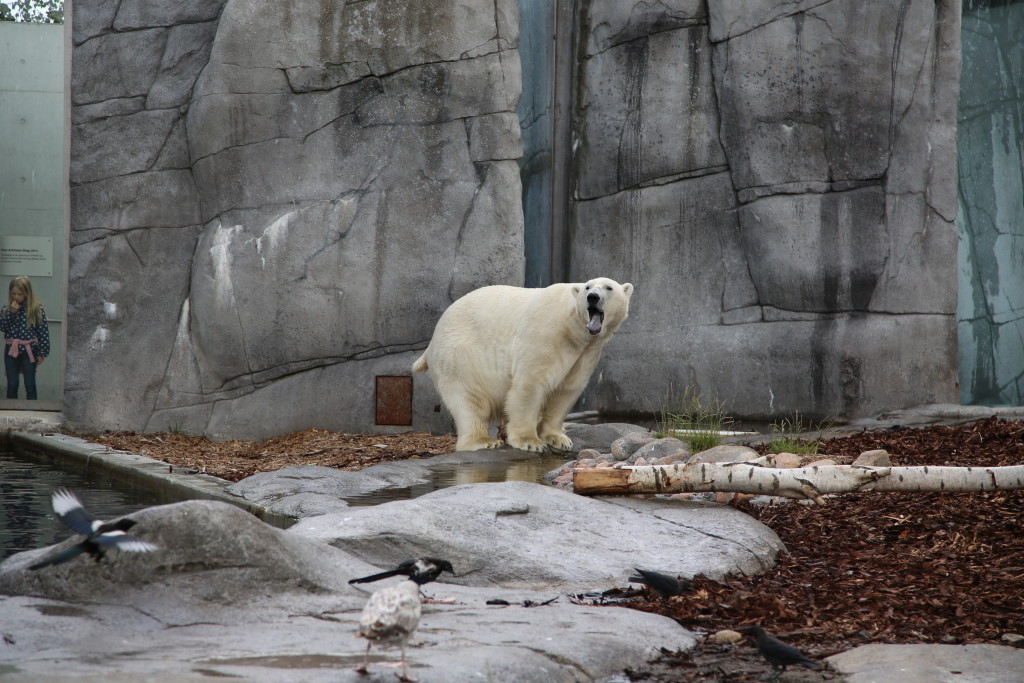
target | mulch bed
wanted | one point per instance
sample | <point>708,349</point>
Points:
<point>874,567</point>
<point>235,460</point>
<point>865,568</point>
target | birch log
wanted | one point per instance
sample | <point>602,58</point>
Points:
<point>801,482</point>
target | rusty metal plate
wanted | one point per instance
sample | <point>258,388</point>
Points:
<point>393,398</point>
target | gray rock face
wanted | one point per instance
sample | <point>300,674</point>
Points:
<point>331,179</point>
<point>272,203</point>
<point>517,534</point>
<point>795,224</point>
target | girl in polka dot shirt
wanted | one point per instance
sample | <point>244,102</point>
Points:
<point>26,336</point>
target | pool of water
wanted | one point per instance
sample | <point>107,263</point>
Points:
<point>26,518</point>
<point>526,467</point>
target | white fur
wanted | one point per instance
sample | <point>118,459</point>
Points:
<point>524,355</point>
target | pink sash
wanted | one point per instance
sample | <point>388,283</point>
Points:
<point>16,344</point>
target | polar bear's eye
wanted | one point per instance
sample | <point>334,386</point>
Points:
<point>608,287</point>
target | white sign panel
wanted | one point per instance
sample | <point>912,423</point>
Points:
<point>26,256</point>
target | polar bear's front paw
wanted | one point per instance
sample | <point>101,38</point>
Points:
<point>477,444</point>
<point>531,444</point>
<point>558,441</point>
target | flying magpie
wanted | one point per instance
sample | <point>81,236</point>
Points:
<point>99,535</point>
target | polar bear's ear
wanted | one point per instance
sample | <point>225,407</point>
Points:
<point>576,289</point>
<point>627,289</point>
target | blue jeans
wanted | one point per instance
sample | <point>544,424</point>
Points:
<point>12,366</point>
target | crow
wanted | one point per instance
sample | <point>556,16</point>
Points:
<point>392,614</point>
<point>664,584</point>
<point>779,654</point>
<point>98,535</point>
<point>428,568</point>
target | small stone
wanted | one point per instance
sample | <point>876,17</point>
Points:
<point>1013,639</point>
<point>605,465</point>
<point>726,453</point>
<point>724,497</point>
<point>786,460</point>
<point>640,461</point>
<point>658,448</point>
<point>726,635</point>
<point>626,446</point>
<point>876,458</point>
<point>824,462</point>
<point>588,454</point>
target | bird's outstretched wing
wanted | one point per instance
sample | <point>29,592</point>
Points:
<point>124,542</point>
<point>70,511</point>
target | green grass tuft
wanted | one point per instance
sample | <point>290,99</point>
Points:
<point>792,436</point>
<point>692,419</point>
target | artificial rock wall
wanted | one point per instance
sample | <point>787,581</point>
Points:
<point>779,181</point>
<point>273,202</point>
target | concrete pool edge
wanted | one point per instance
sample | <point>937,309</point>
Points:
<point>138,470</point>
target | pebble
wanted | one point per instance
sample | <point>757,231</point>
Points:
<point>726,635</point>
<point>824,462</point>
<point>876,458</point>
<point>784,460</point>
<point>1013,639</point>
<point>622,448</point>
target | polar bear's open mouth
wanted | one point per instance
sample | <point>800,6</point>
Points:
<point>596,318</point>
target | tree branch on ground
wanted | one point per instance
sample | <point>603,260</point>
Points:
<point>811,483</point>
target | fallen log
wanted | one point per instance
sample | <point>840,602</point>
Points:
<point>801,482</point>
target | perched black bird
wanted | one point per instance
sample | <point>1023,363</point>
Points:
<point>778,654</point>
<point>98,535</point>
<point>664,584</point>
<point>393,613</point>
<point>427,568</point>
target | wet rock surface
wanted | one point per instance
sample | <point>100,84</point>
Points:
<point>227,595</point>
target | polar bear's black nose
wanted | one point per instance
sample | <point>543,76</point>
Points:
<point>593,298</point>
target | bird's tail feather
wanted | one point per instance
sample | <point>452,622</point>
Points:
<point>59,558</point>
<point>375,577</point>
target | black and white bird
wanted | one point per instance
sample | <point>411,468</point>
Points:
<point>99,535</point>
<point>393,613</point>
<point>427,568</point>
<point>664,584</point>
<point>779,654</point>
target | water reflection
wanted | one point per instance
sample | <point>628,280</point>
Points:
<point>531,468</point>
<point>26,519</point>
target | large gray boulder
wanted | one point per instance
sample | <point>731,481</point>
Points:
<point>517,534</point>
<point>213,557</point>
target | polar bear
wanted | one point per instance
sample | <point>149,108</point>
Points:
<point>524,355</point>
